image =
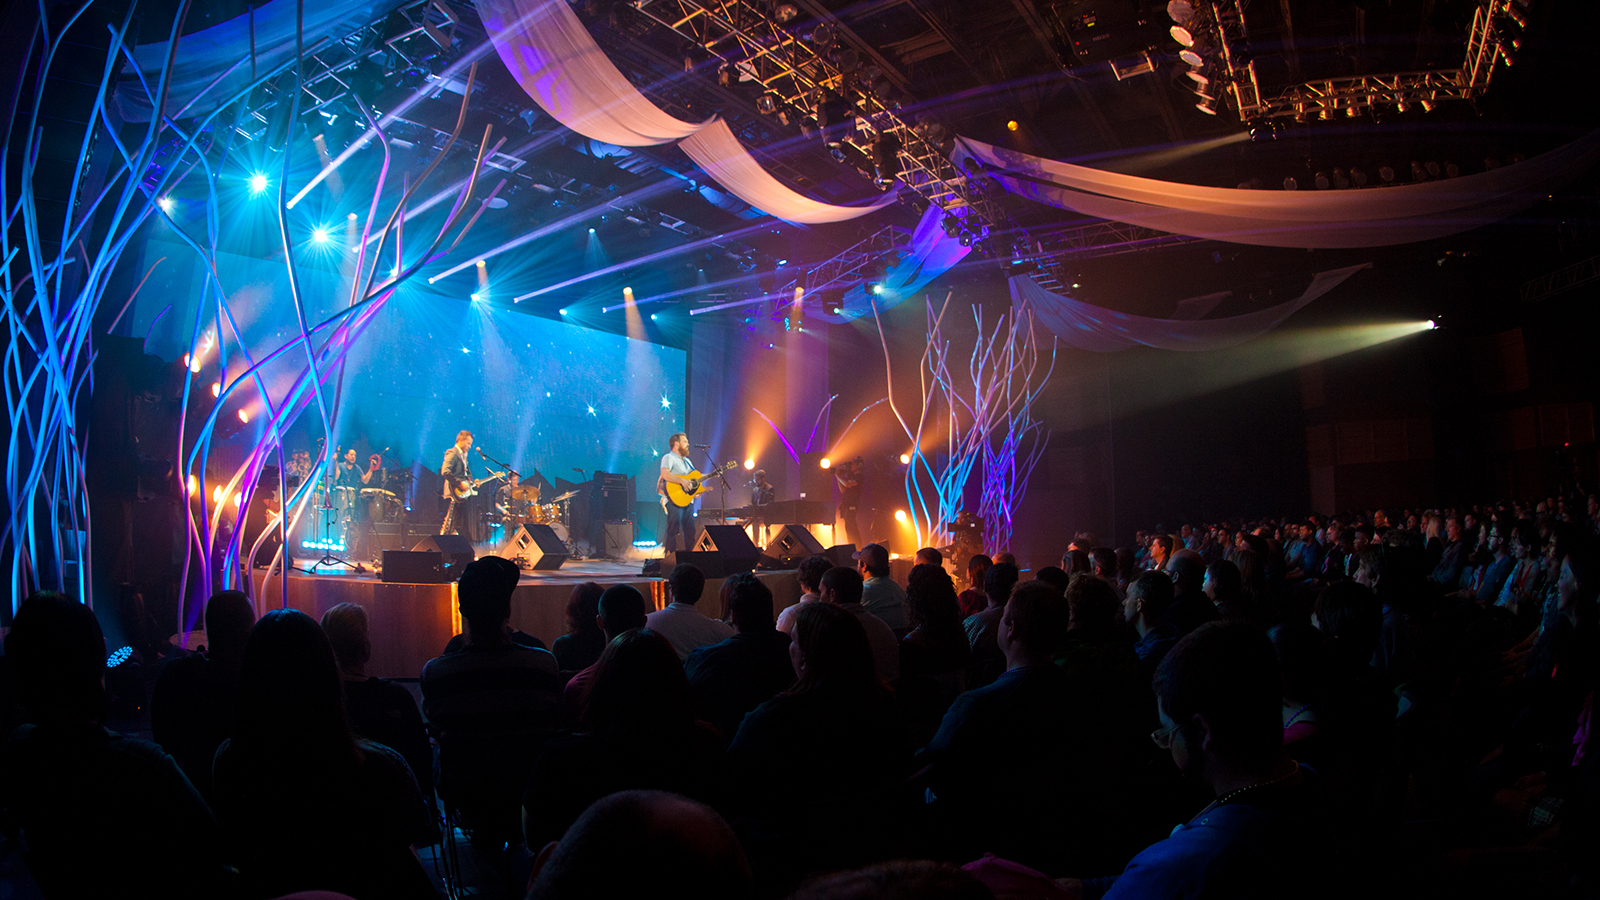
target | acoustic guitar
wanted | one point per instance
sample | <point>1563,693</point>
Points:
<point>462,488</point>
<point>680,496</point>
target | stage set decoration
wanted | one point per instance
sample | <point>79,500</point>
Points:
<point>559,65</point>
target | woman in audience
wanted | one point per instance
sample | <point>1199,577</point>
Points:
<point>638,731</point>
<point>973,599</point>
<point>934,655</point>
<point>581,646</point>
<point>305,804</point>
<point>1301,663</point>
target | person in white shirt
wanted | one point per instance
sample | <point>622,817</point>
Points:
<point>810,573</point>
<point>675,468</point>
<point>684,626</point>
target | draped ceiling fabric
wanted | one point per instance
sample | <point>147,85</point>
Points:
<point>1310,219</point>
<point>931,254</point>
<point>715,149</point>
<point>1102,330</point>
<point>210,52</point>
<point>557,62</point>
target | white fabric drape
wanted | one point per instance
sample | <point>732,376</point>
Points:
<point>715,149</point>
<point>930,254</point>
<point>1101,330</point>
<point>557,62</point>
<point>1312,219</point>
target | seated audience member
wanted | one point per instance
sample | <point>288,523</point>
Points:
<point>898,880</point>
<point>1336,565</point>
<point>1225,587</point>
<point>507,575</point>
<point>191,706</point>
<point>638,731</point>
<point>379,710</point>
<point>814,763</point>
<point>674,847</point>
<point>305,803</point>
<point>1358,706</point>
<point>492,705</point>
<point>982,627</point>
<point>1447,573</point>
<point>880,595</point>
<point>929,556</point>
<point>580,647</point>
<point>809,574</point>
<point>1218,697</point>
<point>621,608</point>
<point>1190,607</point>
<point>72,784</point>
<point>1149,597</point>
<point>1524,586</point>
<point>730,678</point>
<point>1055,577</point>
<point>1298,648</point>
<point>1103,565</point>
<point>1075,561</point>
<point>973,599</point>
<point>1159,552</point>
<point>1127,569</point>
<point>683,625</point>
<point>1006,557</point>
<point>934,656</point>
<point>1029,719</point>
<point>842,588</point>
<point>1103,670</point>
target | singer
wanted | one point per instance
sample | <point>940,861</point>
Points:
<point>675,467</point>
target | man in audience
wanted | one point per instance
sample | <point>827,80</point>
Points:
<point>983,627</point>
<point>809,575</point>
<point>1025,721</point>
<point>880,594</point>
<point>1160,552</point>
<point>380,710</point>
<point>731,678</point>
<point>1190,607</point>
<point>1447,574</point>
<point>842,586</point>
<point>1103,563</point>
<point>930,556</point>
<point>191,706</point>
<point>643,844</point>
<point>493,705</point>
<point>684,626</point>
<point>99,814</point>
<point>1149,598</point>
<point>621,609</point>
<point>1218,697</point>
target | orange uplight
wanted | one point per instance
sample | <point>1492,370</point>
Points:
<point>216,388</point>
<point>905,459</point>
<point>194,485</point>
<point>826,462</point>
<point>749,464</point>
<point>218,495</point>
<point>244,417</point>
<point>899,515</point>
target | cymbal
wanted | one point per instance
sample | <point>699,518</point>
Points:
<point>567,496</point>
<point>528,492</point>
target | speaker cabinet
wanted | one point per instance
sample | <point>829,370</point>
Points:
<point>842,555</point>
<point>739,554</point>
<point>456,550</point>
<point>537,546</point>
<point>793,543</point>
<point>711,563</point>
<point>413,567</point>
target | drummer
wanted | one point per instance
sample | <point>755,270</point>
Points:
<point>513,500</point>
<point>348,475</point>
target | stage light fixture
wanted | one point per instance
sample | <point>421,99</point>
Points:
<point>217,495</point>
<point>237,498</point>
<point>591,231</point>
<point>876,288</point>
<point>785,13</point>
<point>967,238</point>
<point>319,235</point>
<point>258,183</point>
<point>766,104</point>
<point>1205,106</point>
<point>1432,324</point>
<point>1191,57</point>
<point>1012,125</point>
<point>166,204</point>
<point>1181,11</point>
<point>1182,35</point>
<point>951,225</point>
<point>194,485</point>
<point>749,464</point>
<point>562,311</point>
<point>244,417</point>
<point>899,515</point>
<point>477,297</point>
<point>826,463</point>
<point>1196,77</point>
<point>905,459</point>
<point>652,317</point>
<point>216,388</point>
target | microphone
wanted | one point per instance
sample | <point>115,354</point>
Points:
<point>480,452</point>
<point>578,470</point>
<point>701,446</point>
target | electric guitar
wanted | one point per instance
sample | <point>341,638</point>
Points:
<point>462,488</point>
<point>681,496</point>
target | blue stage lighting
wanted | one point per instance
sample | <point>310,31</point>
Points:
<point>258,183</point>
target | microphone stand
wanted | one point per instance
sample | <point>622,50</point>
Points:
<point>722,499</point>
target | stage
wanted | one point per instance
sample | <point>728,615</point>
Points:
<point>411,623</point>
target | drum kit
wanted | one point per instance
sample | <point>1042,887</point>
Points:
<point>522,507</point>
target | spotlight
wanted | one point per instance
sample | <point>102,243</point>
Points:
<point>217,495</point>
<point>749,464</point>
<point>766,104</point>
<point>477,297</point>
<point>591,231</point>
<point>236,499</point>
<point>216,388</point>
<point>952,225</point>
<point>562,311</point>
<point>258,183</point>
<point>905,459</point>
<point>899,515</point>
<point>1196,77</point>
<point>877,288</point>
<point>1432,324</point>
<point>966,239</point>
<point>480,264</point>
<point>1182,35</point>
<point>785,13</point>
<point>244,417</point>
<point>1205,106</point>
<point>166,204</point>
<point>1012,125</point>
<point>194,485</point>
<point>319,235</point>
<point>652,317</point>
<point>826,462</point>
<point>833,301</point>
<point>1191,57</point>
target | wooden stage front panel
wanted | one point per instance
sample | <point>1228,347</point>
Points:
<point>411,623</point>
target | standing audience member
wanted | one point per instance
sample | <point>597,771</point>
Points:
<point>580,647</point>
<point>379,709</point>
<point>880,594</point>
<point>842,588</point>
<point>72,784</point>
<point>684,626</point>
<point>307,805</point>
<point>731,678</point>
<point>973,599</point>
<point>809,574</point>
<point>191,707</point>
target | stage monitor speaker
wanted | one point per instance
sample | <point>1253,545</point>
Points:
<point>739,554</point>
<point>793,543</point>
<point>711,563</point>
<point>538,545</point>
<point>457,551</point>
<point>413,567</point>
<point>383,536</point>
<point>842,555</point>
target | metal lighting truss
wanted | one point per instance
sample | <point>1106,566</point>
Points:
<point>756,48</point>
<point>1488,43</point>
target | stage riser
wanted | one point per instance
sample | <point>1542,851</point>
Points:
<point>411,623</point>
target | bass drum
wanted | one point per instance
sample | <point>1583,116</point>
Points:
<point>561,532</point>
<point>381,505</point>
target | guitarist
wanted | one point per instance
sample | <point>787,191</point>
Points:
<point>456,471</point>
<point>675,466</point>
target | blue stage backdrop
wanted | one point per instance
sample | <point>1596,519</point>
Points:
<point>542,394</point>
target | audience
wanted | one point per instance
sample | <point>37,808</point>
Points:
<point>973,599</point>
<point>842,587</point>
<point>621,608</point>
<point>1190,607</point>
<point>191,707</point>
<point>684,626</point>
<point>731,678</point>
<point>983,627</point>
<point>1149,597</point>
<point>809,574</point>
<point>880,594</point>
<point>580,647</point>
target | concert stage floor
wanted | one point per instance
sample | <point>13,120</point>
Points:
<point>411,623</point>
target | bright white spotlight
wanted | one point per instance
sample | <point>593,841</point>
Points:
<point>166,204</point>
<point>562,311</point>
<point>194,485</point>
<point>899,515</point>
<point>477,297</point>
<point>1432,324</point>
<point>216,388</point>
<point>1197,78</point>
<point>591,231</point>
<point>258,183</point>
<point>217,495</point>
<point>652,317</point>
<point>749,464</point>
<point>244,417</point>
<point>905,459</point>
<point>826,462</point>
<point>319,235</point>
<point>1182,35</point>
